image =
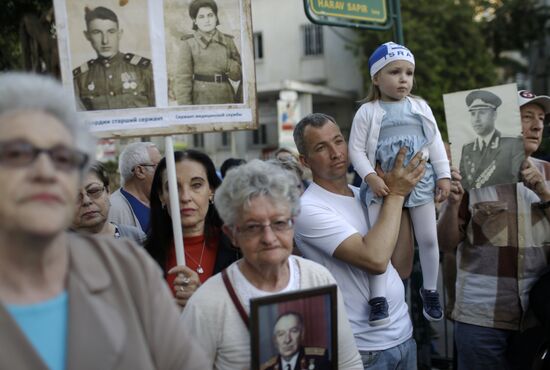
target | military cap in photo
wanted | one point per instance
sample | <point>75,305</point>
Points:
<point>482,99</point>
<point>526,97</point>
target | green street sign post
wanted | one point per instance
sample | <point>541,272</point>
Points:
<point>368,14</point>
<point>359,10</point>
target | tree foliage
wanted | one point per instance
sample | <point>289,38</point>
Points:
<point>449,48</point>
<point>11,16</point>
<point>511,24</point>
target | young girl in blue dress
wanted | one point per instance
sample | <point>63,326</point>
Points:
<point>391,119</point>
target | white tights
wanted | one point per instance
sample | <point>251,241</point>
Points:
<point>425,231</point>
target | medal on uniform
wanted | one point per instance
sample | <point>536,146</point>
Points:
<point>311,364</point>
<point>125,77</point>
<point>91,86</point>
<point>129,80</point>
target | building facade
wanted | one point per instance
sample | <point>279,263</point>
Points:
<point>300,68</point>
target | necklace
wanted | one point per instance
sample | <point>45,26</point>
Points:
<point>200,270</point>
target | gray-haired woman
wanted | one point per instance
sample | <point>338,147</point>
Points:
<point>101,301</point>
<point>257,202</point>
<point>92,208</point>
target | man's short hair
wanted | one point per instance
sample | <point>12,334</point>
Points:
<point>314,120</point>
<point>133,155</point>
<point>99,13</point>
<point>229,163</point>
<point>297,315</point>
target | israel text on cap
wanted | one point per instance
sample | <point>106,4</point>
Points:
<point>387,53</point>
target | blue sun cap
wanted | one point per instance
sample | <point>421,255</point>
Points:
<point>387,53</point>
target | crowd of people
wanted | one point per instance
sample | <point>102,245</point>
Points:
<point>89,278</point>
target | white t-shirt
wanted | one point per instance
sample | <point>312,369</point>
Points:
<point>247,291</point>
<point>212,319</point>
<point>325,221</point>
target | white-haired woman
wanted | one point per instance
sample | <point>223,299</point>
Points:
<point>69,301</point>
<point>257,202</point>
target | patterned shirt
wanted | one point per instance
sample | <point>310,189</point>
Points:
<point>507,245</point>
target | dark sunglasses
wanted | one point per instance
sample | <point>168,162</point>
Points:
<point>20,153</point>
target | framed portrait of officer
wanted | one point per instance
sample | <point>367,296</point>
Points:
<point>295,330</point>
<point>203,52</point>
<point>484,129</point>
<point>110,54</point>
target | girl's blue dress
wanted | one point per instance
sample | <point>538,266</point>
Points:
<point>399,128</point>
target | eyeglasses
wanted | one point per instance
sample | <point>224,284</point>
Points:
<point>93,192</point>
<point>254,230</point>
<point>144,165</point>
<point>20,153</point>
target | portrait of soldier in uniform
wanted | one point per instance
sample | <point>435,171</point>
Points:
<point>208,66</point>
<point>288,335</point>
<point>491,158</point>
<point>114,79</point>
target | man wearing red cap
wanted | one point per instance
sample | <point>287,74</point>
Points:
<point>501,234</point>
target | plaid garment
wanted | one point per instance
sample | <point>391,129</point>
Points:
<point>506,247</point>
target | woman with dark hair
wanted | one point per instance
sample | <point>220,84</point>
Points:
<point>208,60</point>
<point>92,208</point>
<point>207,250</point>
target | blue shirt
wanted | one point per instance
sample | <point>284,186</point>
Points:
<point>45,325</point>
<point>142,212</point>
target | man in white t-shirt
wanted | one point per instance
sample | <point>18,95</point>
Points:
<point>333,230</point>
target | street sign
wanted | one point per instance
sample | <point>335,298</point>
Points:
<point>369,14</point>
<point>361,10</point>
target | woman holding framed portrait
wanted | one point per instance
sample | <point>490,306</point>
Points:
<point>257,202</point>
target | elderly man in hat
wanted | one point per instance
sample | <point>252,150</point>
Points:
<point>113,80</point>
<point>501,235</point>
<point>491,158</point>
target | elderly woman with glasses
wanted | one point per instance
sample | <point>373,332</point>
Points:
<point>257,202</point>
<point>92,208</point>
<point>70,301</point>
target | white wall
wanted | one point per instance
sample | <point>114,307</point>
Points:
<point>280,22</point>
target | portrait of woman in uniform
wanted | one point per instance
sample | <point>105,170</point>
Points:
<point>208,68</point>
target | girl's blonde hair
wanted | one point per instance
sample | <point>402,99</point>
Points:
<point>373,93</point>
